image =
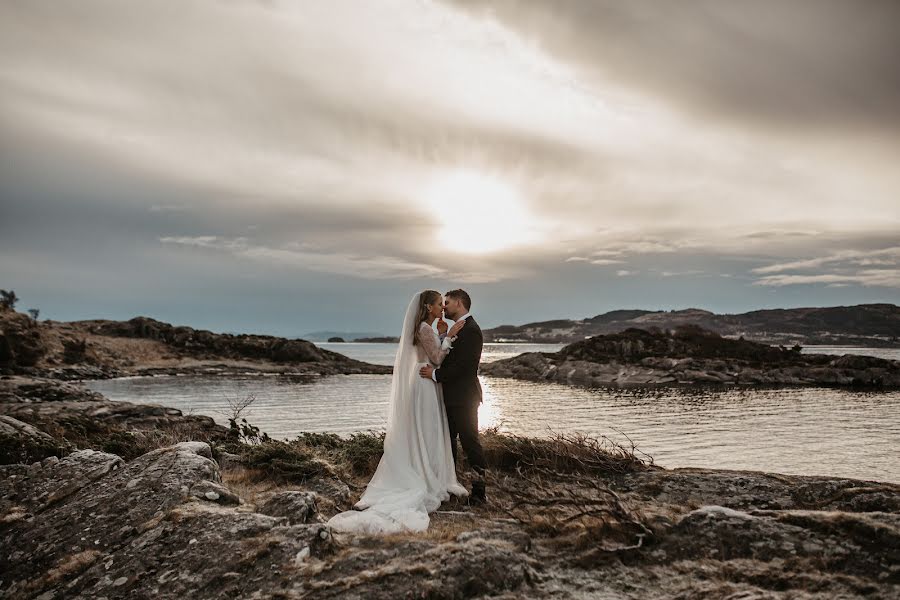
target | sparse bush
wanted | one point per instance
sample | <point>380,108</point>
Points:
<point>8,299</point>
<point>123,443</point>
<point>286,462</point>
<point>34,312</point>
<point>326,441</point>
<point>246,433</point>
<point>359,454</point>
<point>237,405</point>
<point>17,450</point>
<point>564,453</point>
<point>363,451</point>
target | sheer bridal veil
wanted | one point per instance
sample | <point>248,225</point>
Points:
<point>400,400</point>
<point>396,496</point>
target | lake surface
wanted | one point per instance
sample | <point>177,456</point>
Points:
<point>383,354</point>
<point>812,431</point>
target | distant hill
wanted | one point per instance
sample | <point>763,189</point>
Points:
<point>873,325</point>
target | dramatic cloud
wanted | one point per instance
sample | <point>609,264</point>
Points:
<point>839,269</point>
<point>559,158</point>
<point>816,65</point>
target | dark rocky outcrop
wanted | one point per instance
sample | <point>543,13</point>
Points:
<point>21,342</point>
<point>202,343</point>
<point>103,349</point>
<point>690,355</point>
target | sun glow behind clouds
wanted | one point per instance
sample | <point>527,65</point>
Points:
<point>479,214</point>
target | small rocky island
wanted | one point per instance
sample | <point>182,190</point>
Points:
<point>378,340</point>
<point>690,355</point>
<point>102,349</point>
<point>103,499</point>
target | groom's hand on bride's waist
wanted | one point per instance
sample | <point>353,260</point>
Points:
<point>426,371</point>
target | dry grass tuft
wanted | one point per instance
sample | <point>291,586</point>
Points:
<point>571,453</point>
<point>70,565</point>
<point>251,485</point>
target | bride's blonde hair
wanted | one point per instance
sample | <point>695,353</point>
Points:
<point>426,299</point>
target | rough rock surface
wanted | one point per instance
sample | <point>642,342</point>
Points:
<point>109,528</point>
<point>92,525</point>
<point>58,417</point>
<point>296,506</point>
<point>691,356</point>
<point>173,522</point>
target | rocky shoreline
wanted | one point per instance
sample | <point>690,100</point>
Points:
<point>690,355</point>
<point>142,346</point>
<point>102,499</point>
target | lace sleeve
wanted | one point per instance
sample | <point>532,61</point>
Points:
<point>436,351</point>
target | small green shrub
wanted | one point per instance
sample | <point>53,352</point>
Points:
<point>359,454</point>
<point>288,462</point>
<point>324,441</point>
<point>363,451</point>
<point>17,450</point>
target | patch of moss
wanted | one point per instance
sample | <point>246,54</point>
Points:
<point>288,462</point>
<point>358,454</point>
<point>19,450</point>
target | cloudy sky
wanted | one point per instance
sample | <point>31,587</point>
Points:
<point>286,166</point>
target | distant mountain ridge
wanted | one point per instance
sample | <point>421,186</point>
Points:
<point>873,325</point>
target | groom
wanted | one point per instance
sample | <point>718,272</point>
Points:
<point>462,390</point>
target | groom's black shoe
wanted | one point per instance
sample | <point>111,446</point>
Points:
<point>478,495</point>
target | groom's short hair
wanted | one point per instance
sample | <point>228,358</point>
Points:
<point>462,296</point>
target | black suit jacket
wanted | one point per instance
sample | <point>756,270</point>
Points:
<point>459,371</point>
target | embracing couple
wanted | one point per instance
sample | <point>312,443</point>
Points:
<point>435,395</point>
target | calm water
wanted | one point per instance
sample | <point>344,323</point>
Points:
<point>889,353</point>
<point>796,430</point>
<point>383,354</point>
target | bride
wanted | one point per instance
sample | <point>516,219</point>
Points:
<point>416,472</point>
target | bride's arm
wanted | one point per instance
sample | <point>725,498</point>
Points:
<point>436,352</point>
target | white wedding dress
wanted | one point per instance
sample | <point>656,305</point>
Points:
<point>416,472</point>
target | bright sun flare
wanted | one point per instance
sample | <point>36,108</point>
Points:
<point>479,214</point>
